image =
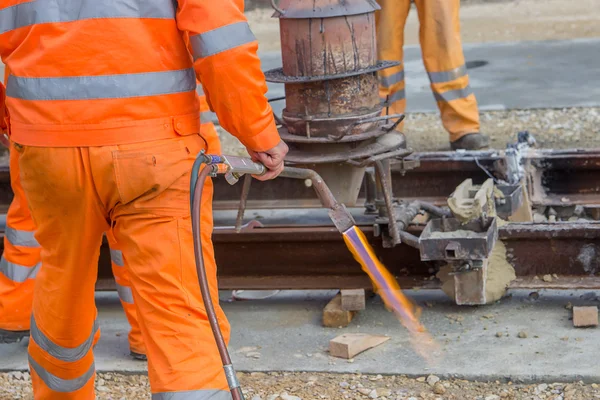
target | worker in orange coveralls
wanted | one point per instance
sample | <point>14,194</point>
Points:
<point>21,258</point>
<point>106,134</point>
<point>439,34</point>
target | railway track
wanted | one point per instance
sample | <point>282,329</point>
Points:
<point>290,245</point>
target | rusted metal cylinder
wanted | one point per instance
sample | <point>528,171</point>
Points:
<point>328,46</point>
<point>331,106</point>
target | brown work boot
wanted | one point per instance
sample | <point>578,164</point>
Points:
<point>12,336</point>
<point>471,141</point>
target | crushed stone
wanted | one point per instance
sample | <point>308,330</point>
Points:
<point>310,386</point>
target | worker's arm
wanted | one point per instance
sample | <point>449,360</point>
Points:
<point>3,118</point>
<point>225,60</point>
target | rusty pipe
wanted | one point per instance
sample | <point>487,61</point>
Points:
<point>318,184</point>
<point>435,210</point>
<point>409,239</point>
<point>340,216</point>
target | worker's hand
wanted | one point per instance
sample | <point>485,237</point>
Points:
<point>271,159</point>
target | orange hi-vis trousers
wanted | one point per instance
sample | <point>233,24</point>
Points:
<point>21,262</point>
<point>439,35</point>
<point>139,192</point>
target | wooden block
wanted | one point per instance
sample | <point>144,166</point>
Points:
<point>350,344</point>
<point>353,299</point>
<point>334,316</point>
<point>585,316</point>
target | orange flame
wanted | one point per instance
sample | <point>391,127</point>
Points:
<point>389,290</point>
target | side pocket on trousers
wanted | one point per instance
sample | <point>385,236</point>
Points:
<point>148,177</point>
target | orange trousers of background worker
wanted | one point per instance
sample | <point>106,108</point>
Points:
<point>439,35</point>
<point>21,259</point>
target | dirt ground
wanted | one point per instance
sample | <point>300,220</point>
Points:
<point>309,386</point>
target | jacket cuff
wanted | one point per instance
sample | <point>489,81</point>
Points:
<point>265,140</point>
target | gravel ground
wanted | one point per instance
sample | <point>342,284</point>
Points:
<point>308,386</point>
<point>552,128</point>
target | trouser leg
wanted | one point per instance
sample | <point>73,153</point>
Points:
<point>153,228</point>
<point>123,281</point>
<point>390,22</point>
<point>20,261</point>
<point>70,222</point>
<point>439,34</point>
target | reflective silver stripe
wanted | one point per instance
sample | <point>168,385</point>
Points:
<point>21,238</point>
<point>102,87</point>
<point>16,272</point>
<point>453,94</point>
<point>221,39</point>
<point>116,256</point>
<point>394,97</point>
<point>46,11</point>
<point>58,384</point>
<point>193,395</point>
<point>388,81</point>
<point>125,294</point>
<point>447,76</point>
<point>200,90</point>
<point>68,354</point>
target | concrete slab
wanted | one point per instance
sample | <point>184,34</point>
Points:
<point>516,75</point>
<point>286,329</point>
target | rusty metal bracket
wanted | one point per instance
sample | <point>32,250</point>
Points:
<point>510,202</point>
<point>386,128</point>
<point>447,239</point>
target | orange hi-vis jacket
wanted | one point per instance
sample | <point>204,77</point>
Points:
<point>59,94</point>
<point>3,111</point>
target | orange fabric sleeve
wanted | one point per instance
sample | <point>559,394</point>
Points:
<point>227,64</point>
<point>3,109</point>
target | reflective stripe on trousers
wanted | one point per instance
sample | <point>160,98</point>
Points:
<point>193,395</point>
<point>21,238</point>
<point>61,353</point>
<point>453,94</point>
<point>18,273</point>
<point>13,271</point>
<point>68,354</point>
<point>125,293</point>
<point>394,97</point>
<point>448,76</point>
<point>388,81</point>
<point>58,384</point>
